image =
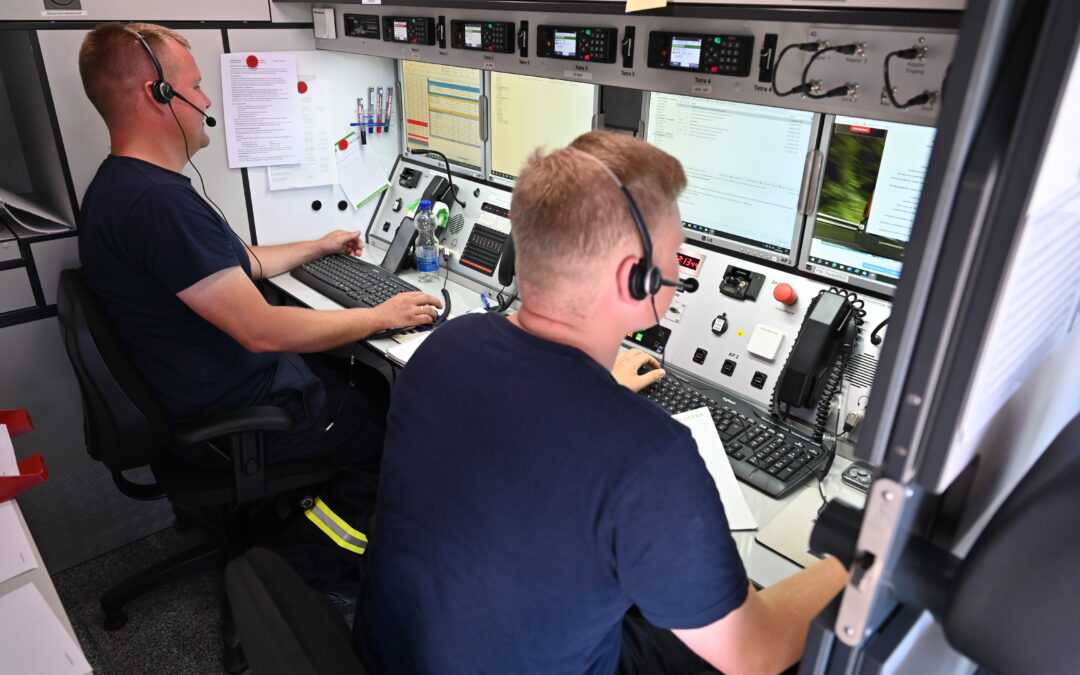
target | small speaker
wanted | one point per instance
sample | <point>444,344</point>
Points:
<point>455,224</point>
<point>861,369</point>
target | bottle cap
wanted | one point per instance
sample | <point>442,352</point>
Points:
<point>425,204</point>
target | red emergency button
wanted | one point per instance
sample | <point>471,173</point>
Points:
<point>586,57</point>
<point>714,69</point>
<point>785,294</point>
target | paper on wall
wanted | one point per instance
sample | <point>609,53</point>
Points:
<point>356,178</point>
<point>32,639</point>
<point>317,166</point>
<point>262,109</point>
<point>711,449</point>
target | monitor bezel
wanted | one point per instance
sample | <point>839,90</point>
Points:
<point>739,248</point>
<point>489,144</point>
<point>436,162</point>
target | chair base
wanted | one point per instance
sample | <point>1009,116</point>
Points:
<point>201,558</point>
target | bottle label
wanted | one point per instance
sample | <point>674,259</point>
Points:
<point>427,263</point>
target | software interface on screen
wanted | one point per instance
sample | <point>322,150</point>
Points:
<point>743,164</point>
<point>534,112</point>
<point>442,111</point>
<point>873,176</point>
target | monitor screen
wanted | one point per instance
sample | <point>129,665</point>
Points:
<point>744,170</point>
<point>871,183</point>
<point>686,52</point>
<point>534,112</point>
<point>566,43</point>
<point>442,111</point>
<point>473,36</point>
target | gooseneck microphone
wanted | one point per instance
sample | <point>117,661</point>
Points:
<point>687,285</point>
<point>210,121</point>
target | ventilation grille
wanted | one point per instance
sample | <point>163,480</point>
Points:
<point>861,369</point>
<point>455,224</point>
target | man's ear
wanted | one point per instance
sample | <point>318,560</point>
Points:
<point>622,279</point>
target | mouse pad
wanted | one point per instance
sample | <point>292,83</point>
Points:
<point>789,532</point>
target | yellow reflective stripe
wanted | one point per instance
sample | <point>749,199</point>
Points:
<point>332,525</point>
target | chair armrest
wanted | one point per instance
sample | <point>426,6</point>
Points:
<point>239,420</point>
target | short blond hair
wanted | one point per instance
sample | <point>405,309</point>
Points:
<point>566,210</point>
<point>114,65</point>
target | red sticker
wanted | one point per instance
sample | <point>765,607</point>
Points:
<point>252,61</point>
<point>301,87</point>
<point>343,144</point>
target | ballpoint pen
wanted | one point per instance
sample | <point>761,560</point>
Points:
<point>360,119</point>
<point>371,109</point>
<point>389,106</point>
<point>379,111</point>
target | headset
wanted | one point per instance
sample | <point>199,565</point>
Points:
<point>646,278</point>
<point>162,91</point>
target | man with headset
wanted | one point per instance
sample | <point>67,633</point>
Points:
<point>179,287</point>
<point>518,533</point>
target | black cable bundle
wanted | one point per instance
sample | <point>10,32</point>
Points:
<point>803,46</point>
<point>844,89</point>
<point>907,54</point>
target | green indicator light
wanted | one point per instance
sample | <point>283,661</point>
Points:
<point>414,20</point>
<point>490,26</point>
<point>588,32</point>
<point>717,40</point>
<point>639,336</point>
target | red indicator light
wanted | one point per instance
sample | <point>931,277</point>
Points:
<point>860,130</point>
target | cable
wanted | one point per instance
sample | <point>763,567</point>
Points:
<point>803,46</point>
<point>206,195</point>
<point>845,89</point>
<point>907,54</point>
<point>449,177</point>
<point>656,314</point>
<point>345,396</point>
<point>875,335</point>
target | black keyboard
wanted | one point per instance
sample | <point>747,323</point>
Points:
<point>351,282</point>
<point>769,456</point>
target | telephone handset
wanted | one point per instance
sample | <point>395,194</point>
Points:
<point>827,333</point>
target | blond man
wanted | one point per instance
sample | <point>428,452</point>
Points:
<point>514,534</point>
<point>179,285</point>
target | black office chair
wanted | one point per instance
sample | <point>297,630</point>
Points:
<point>286,628</point>
<point>125,427</point>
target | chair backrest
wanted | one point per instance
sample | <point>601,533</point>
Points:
<point>124,424</point>
<point>1013,604</point>
<point>285,627</point>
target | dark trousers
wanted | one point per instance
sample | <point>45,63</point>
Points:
<point>648,650</point>
<point>354,443</point>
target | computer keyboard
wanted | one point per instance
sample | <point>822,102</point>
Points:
<point>351,282</point>
<point>769,456</point>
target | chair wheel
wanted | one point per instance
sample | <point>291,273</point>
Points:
<point>115,620</point>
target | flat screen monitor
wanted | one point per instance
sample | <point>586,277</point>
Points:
<point>528,113</point>
<point>441,107</point>
<point>744,168</point>
<point>871,182</point>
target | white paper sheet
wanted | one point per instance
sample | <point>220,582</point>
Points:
<point>317,166</point>
<point>32,639</point>
<point>16,555</point>
<point>358,180</point>
<point>262,109</point>
<point>711,449</point>
<point>33,217</point>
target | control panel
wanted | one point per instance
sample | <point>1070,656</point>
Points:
<point>738,331</point>
<point>576,43</point>
<point>362,26</point>
<point>411,30</point>
<point>719,54</point>
<point>484,36</point>
<point>472,238</point>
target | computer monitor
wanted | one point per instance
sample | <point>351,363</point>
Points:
<point>744,168</point>
<point>534,112</point>
<point>442,111</point>
<point>871,182</point>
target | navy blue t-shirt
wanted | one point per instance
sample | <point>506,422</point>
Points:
<point>527,500</point>
<point>144,236</point>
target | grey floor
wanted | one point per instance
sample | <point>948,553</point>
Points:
<point>175,629</point>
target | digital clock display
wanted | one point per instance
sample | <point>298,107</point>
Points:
<point>692,263</point>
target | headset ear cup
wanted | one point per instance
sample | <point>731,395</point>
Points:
<point>162,91</point>
<point>639,279</point>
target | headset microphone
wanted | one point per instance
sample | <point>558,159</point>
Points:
<point>688,285</point>
<point>210,121</point>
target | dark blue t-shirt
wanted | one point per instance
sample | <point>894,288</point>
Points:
<point>527,500</point>
<point>144,236</point>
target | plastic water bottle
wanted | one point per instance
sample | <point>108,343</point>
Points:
<point>427,249</point>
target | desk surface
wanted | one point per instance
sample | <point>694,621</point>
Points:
<point>764,566</point>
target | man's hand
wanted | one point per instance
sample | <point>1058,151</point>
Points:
<point>340,241</point>
<point>408,309</point>
<point>625,370</point>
